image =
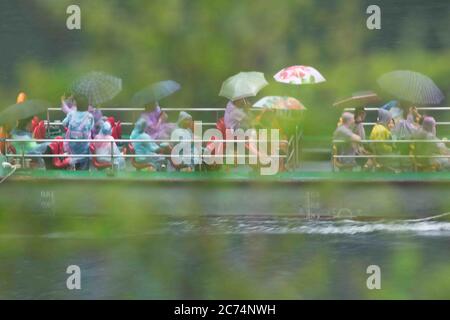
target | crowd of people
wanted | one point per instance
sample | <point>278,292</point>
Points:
<point>88,123</point>
<point>383,150</point>
<point>401,140</point>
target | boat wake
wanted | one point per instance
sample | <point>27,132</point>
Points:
<point>241,225</point>
<point>229,225</point>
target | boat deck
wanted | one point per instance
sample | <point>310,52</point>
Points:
<point>233,175</point>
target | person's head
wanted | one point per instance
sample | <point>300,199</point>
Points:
<point>106,129</point>
<point>360,114</point>
<point>24,124</point>
<point>141,125</point>
<point>22,97</point>
<point>384,118</point>
<point>80,102</point>
<point>348,119</point>
<point>242,103</point>
<point>429,125</point>
<point>163,117</point>
<point>185,120</point>
<point>152,107</point>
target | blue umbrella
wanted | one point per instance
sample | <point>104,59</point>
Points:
<point>411,86</point>
<point>154,93</point>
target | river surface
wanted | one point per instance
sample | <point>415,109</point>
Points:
<point>227,258</point>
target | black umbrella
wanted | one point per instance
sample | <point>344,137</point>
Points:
<point>23,110</point>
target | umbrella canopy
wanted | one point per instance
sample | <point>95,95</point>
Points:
<point>280,103</point>
<point>358,99</point>
<point>97,87</point>
<point>299,75</point>
<point>411,86</point>
<point>154,93</point>
<point>23,110</point>
<point>243,85</point>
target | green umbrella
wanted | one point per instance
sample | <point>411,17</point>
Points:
<point>97,87</point>
<point>243,85</point>
<point>154,93</point>
<point>23,110</point>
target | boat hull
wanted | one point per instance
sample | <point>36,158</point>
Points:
<point>313,198</point>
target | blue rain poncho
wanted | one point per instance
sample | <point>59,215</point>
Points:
<point>147,147</point>
<point>79,126</point>
<point>28,147</point>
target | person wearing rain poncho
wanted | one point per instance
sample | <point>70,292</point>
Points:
<point>146,148</point>
<point>22,132</point>
<point>382,131</point>
<point>349,146</point>
<point>236,115</point>
<point>405,122</point>
<point>104,148</point>
<point>158,127</point>
<point>187,160</point>
<point>428,132</point>
<point>79,125</point>
<point>69,104</point>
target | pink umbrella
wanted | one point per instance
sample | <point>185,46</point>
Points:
<point>277,102</point>
<point>299,75</point>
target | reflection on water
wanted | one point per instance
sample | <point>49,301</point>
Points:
<point>227,257</point>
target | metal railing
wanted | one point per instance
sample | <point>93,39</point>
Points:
<point>113,156</point>
<point>48,121</point>
<point>441,123</point>
<point>293,142</point>
<point>389,156</point>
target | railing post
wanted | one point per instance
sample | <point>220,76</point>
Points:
<point>23,155</point>
<point>296,147</point>
<point>5,148</point>
<point>112,155</point>
<point>48,122</point>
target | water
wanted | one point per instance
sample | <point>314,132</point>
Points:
<point>229,257</point>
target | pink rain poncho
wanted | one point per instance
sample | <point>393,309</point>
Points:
<point>104,148</point>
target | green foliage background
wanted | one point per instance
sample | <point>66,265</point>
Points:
<point>199,43</point>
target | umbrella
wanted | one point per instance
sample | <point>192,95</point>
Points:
<point>411,86</point>
<point>23,110</point>
<point>97,87</point>
<point>155,93</point>
<point>299,75</point>
<point>243,85</point>
<point>358,99</point>
<point>280,103</point>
